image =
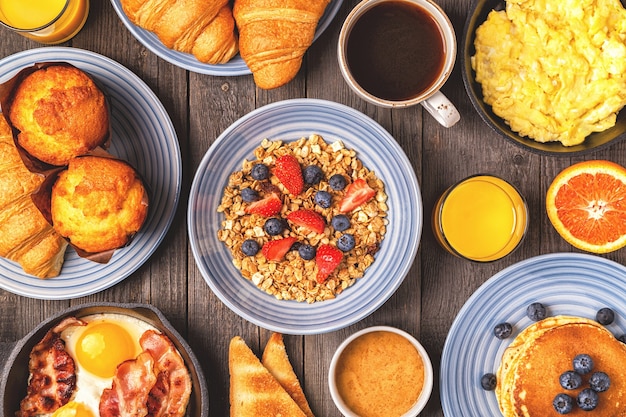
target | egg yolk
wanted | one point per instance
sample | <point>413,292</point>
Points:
<point>102,347</point>
<point>73,409</point>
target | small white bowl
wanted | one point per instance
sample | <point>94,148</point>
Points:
<point>428,371</point>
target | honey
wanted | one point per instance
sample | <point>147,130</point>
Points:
<point>380,374</point>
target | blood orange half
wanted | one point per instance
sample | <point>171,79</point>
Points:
<point>586,204</point>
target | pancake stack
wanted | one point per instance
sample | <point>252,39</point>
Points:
<point>528,377</point>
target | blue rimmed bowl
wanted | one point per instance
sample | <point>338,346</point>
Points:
<point>290,120</point>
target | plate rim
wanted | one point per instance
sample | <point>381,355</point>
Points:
<point>556,260</point>
<point>320,327</point>
<point>68,54</point>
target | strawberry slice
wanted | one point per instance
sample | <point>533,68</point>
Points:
<point>268,206</point>
<point>275,250</point>
<point>357,193</point>
<point>308,219</point>
<point>327,259</point>
<point>287,169</point>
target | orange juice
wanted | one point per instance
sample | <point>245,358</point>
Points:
<point>482,218</point>
<point>45,21</point>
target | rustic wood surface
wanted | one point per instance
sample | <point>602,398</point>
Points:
<point>202,106</point>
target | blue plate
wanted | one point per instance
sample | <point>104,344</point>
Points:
<point>234,67</point>
<point>566,283</point>
<point>143,135</point>
<point>290,120</point>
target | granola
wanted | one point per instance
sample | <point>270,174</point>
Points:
<point>291,277</point>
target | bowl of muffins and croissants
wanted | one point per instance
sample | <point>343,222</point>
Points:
<point>61,187</point>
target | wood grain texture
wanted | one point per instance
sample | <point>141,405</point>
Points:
<point>202,107</point>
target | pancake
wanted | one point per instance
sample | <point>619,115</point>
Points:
<point>528,377</point>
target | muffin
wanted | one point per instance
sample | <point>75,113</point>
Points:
<point>60,114</point>
<point>98,203</point>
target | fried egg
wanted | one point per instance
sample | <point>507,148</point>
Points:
<point>554,70</point>
<point>97,349</point>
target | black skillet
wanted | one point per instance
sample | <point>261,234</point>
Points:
<point>14,356</point>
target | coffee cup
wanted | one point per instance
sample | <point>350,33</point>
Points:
<point>398,53</point>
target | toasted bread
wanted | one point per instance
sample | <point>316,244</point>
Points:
<point>254,392</point>
<point>276,361</point>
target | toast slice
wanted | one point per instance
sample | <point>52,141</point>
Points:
<point>254,392</point>
<point>276,361</point>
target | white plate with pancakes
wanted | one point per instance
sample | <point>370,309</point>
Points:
<point>566,283</point>
<point>234,67</point>
<point>143,135</point>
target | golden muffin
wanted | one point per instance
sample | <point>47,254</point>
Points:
<point>60,113</point>
<point>528,377</point>
<point>98,203</point>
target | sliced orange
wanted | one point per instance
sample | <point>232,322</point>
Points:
<point>586,204</point>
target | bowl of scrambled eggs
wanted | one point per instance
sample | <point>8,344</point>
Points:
<point>548,75</point>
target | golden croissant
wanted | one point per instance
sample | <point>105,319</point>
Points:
<point>25,235</point>
<point>204,28</point>
<point>274,35</point>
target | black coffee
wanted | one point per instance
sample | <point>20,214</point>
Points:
<point>395,50</point>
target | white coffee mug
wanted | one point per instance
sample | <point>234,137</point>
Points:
<point>435,102</point>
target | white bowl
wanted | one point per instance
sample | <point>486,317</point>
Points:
<point>428,371</point>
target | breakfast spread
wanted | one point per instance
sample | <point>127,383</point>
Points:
<point>304,220</point>
<point>205,29</point>
<point>60,114</point>
<point>274,35</point>
<point>98,203</point>
<point>554,70</point>
<point>380,374</point>
<point>105,364</point>
<point>267,388</point>
<point>25,235</point>
<point>564,364</point>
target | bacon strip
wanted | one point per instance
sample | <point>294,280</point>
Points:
<point>52,373</point>
<point>171,393</point>
<point>130,388</point>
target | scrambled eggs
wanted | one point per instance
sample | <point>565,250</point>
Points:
<point>554,70</point>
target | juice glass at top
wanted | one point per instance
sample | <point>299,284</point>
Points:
<point>481,218</point>
<point>44,21</point>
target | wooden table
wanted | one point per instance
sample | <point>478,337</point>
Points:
<point>202,106</point>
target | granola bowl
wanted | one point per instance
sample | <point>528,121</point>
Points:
<point>395,217</point>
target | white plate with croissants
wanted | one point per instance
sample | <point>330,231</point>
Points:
<point>218,37</point>
<point>141,135</point>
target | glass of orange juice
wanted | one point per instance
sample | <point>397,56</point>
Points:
<point>481,218</point>
<point>44,21</point>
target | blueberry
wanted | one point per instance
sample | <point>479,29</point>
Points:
<point>605,316</point>
<point>502,330</point>
<point>599,382</point>
<point>587,399</point>
<point>274,226</point>
<point>570,380</point>
<point>563,403</point>
<point>260,172</point>
<point>340,222</point>
<point>323,199</point>
<point>488,382</point>
<point>337,182</point>
<point>622,338</point>
<point>346,242</point>
<point>536,311</point>
<point>250,247</point>
<point>307,252</point>
<point>249,195</point>
<point>583,364</point>
<point>312,175</point>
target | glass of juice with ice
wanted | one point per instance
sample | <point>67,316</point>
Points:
<point>481,218</point>
<point>44,21</point>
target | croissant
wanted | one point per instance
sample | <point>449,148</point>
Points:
<point>25,235</point>
<point>204,28</point>
<point>274,35</point>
